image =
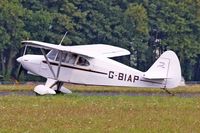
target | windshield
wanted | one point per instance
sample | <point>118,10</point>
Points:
<point>52,54</point>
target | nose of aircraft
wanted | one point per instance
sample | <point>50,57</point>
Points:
<point>20,59</point>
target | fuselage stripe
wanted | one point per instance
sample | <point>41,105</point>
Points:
<point>151,81</point>
<point>72,67</point>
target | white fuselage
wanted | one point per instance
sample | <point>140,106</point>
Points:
<point>100,71</point>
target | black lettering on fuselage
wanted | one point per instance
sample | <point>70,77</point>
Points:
<point>129,78</point>
<point>135,78</point>
<point>111,75</point>
<point>122,76</point>
<point>125,77</point>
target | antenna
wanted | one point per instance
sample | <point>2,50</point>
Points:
<point>63,38</point>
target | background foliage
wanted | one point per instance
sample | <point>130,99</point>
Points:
<point>146,28</point>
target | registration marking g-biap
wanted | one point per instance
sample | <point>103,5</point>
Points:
<point>122,76</point>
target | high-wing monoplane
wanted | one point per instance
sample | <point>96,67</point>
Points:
<point>92,65</point>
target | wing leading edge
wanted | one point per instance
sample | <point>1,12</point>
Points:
<point>92,50</point>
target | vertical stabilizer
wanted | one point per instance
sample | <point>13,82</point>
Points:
<point>167,68</point>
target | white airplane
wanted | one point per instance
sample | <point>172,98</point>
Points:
<point>91,65</point>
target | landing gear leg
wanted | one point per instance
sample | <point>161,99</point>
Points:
<point>59,85</point>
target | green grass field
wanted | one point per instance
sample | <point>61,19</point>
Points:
<point>80,88</point>
<point>76,113</point>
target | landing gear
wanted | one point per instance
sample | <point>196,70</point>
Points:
<point>165,89</point>
<point>56,88</point>
<point>59,88</point>
<point>44,90</point>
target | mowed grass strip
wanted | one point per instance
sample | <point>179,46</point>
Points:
<point>84,88</point>
<point>74,113</point>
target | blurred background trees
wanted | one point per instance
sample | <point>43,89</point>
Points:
<point>146,28</point>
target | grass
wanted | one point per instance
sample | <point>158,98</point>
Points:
<point>76,113</point>
<point>80,88</point>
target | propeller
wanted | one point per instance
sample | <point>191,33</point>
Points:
<point>20,68</point>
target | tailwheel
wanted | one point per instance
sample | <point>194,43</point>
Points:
<point>166,90</point>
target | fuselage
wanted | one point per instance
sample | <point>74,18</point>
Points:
<point>80,69</point>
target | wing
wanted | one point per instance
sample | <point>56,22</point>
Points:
<point>92,50</point>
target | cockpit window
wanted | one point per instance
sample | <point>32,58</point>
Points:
<point>64,56</point>
<point>52,54</point>
<point>82,62</point>
<point>71,58</point>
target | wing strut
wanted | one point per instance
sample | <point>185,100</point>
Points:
<point>60,54</point>
<point>58,83</point>
<point>63,38</point>
<point>60,59</point>
<point>50,67</point>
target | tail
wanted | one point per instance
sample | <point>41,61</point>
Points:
<point>166,68</point>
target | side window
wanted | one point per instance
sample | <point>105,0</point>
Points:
<point>82,62</point>
<point>64,55</point>
<point>52,54</point>
<point>71,58</point>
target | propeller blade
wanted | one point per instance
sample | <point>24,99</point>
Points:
<point>19,70</point>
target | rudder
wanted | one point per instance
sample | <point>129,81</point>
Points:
<point>167,68</point>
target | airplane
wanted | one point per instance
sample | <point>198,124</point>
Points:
<point>92,65</point>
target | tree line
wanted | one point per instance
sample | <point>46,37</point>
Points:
<point>145,27</point>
